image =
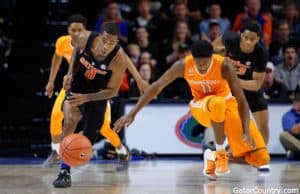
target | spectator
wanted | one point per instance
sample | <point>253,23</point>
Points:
<point>288,72</point>
<point>134,53</point>
<point>291,15</point>
<point>253,13</point>
<point>181,34</point>
<point>214,11</point>
<point>281,39</point>
<point>146,73</point>
<point>290,138</point>
<point>142,39</point>
<point>112,14</point>
<point>145,19</point>
<point>214,32</point>
<point>273,89</point>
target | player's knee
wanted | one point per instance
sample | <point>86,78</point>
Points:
<point>217,106</point>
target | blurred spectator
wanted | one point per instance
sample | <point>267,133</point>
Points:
<point>181,34</point>
<point>112,14</point>
<point>142,39</point>
<point>281,39</point>
<point>134,52</point>
<point>273,89</point>
<point>291,15</point>
<point>4,49</point>
<point>145,71</point>
<point>214,32</point>
<point>145,19</point>
<point>288,72</point>
<point>253,13</point>
<point>290,138</point>
<point>214,11</point>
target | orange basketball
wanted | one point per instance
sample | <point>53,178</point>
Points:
<point>75,150</point>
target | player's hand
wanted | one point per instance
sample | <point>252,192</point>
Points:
<point>67,82</point>
<point>143,85</point>
<point>125,120</point>
<point>76,99</point>
<point>49,89</point>
<point>248,139</point>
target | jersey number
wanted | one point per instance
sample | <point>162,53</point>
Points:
<point>90,73</point>
<point>206,88</point>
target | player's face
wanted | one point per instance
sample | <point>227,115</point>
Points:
<point>248,41</point>
<point>203,63</point>
<point>75,29</point>
<point>107,43</point>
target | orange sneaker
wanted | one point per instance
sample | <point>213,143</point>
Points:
<point>209,165</point>
<point>222,166</point>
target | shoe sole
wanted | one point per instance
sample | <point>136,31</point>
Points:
<point>211,177</point>
<point>222,173</point>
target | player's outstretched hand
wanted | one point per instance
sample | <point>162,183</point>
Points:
<point>76,99</point>
<point>67,82</point>
<point>249,140</point>
<point>124,121</point>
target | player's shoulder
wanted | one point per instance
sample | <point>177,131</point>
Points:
<point>63,39</point>
<point>261,50</point>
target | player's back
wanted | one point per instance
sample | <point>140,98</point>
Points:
<point>210,83</point>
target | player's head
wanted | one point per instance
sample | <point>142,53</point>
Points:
<point>202,52</point>
<point>250,37</point>
<point>76,24</point>
<point>108,38</point>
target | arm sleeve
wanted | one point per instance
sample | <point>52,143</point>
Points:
<point>288,121</point>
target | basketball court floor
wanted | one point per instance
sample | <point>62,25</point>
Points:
<point>160,176</point>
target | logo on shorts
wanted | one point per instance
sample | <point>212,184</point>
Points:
<point>186,128</point>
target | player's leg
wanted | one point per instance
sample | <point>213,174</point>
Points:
<point>71,118</point>
<point>211,111</point>
<point>56,119</point>
<point>257,156</point>
<point>114,139</point>
<point>262,120</point>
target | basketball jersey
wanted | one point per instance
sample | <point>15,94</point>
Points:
<point>89,75</point>
<point>64,48</point>
<point>210,83</point>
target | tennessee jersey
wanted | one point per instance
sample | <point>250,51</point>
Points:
<point>210,83</point>
<point>64,48</point>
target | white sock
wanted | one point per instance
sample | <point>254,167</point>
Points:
<point>122,150</point>
<point>222,146</point>
<point>55,146</point>
<point>212,155</point>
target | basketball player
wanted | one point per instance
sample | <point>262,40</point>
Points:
<point>63,49</point>
<point>95,75</point>
<point>212,79</point>
<point>250,60</point>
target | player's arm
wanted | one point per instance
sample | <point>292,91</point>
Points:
<point>55,65</point>
<point>142,85</point>
<point>256,83</point>
<point>175,71</point>
<point>229,74</point>
<point>219,46</point>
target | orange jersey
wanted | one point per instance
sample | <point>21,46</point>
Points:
<point>210,83</point>
<point>64,48</point>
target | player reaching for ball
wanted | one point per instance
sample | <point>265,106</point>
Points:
<point>95,75</point>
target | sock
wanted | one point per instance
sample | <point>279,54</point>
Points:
<point>122,150</point>
<point>64,166</point>
<point>55,146</point>
<point>212,155</point>
<point>221,147</point>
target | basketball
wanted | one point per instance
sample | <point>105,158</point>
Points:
<point>75,150</point>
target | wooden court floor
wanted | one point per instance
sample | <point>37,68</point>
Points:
<point>151,177</point>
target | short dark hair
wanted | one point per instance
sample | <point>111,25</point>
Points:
<point>76,18</point>
<point>110,28</point>
<point>253,26</point>
<point>289,45</point>
<point>213,24</point>
<point>201,49</point>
